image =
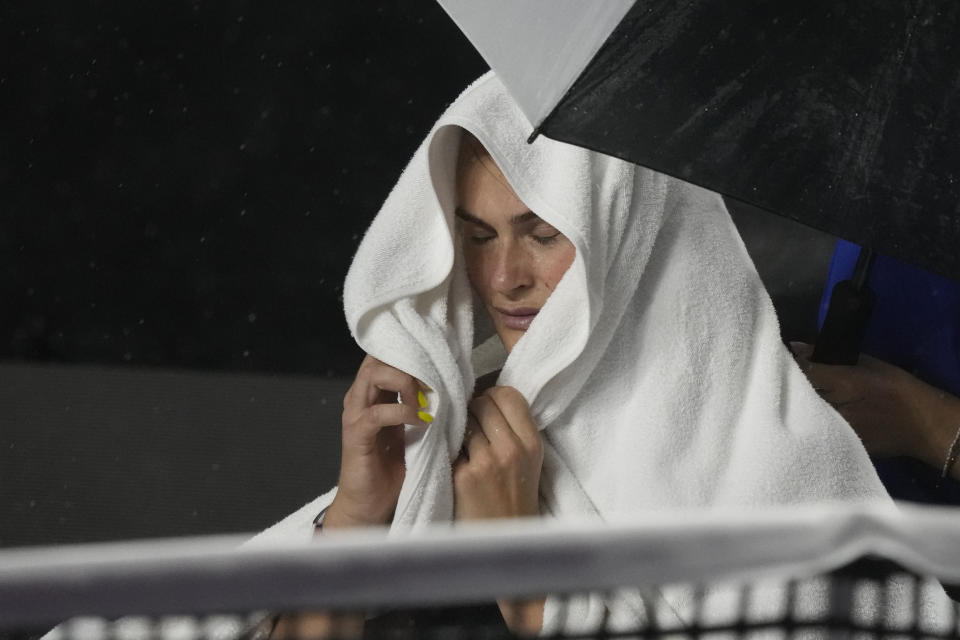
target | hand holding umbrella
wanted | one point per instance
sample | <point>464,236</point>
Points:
<point>893,412</point>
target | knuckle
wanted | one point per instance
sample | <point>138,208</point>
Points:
<point>479,402</point>
<point>481,465</point>
<point>535,446</point>
<point>375,414</point>
<point>512,456</point>
<point>508,395</point>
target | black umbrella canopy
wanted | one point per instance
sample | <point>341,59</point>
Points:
<point>842,115</point>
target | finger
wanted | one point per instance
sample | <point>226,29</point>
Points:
<point>380,383</point>
<point>801,349</point>
<point>491,421</point>
<point>374,418</point>
<point>475,441</point>
<point>514,409</point>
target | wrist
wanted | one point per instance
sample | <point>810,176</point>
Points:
<point>337,517</point>
<point>941,411</point>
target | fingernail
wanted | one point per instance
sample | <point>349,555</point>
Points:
<point>426,417</point>
<point>421,399</point>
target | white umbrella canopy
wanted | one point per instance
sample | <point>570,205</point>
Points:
<point>537,47</point>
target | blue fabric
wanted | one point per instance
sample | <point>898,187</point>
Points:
<point>915,325</point>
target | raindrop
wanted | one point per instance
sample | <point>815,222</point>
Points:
<point>243,212</point>
<point>140,321</point>
<point>128,356</point>
<point>203,239</point>
<point>251,317</point>
<point>246,353</point>
<point>239,18</point>
<point>243,146</point>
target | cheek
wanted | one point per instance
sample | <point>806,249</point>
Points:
<point>554,266</point>
<point>474,263</point>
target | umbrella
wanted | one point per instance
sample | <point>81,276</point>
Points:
<point>841,115</point>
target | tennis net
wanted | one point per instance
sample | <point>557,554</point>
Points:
<point>817,571</point>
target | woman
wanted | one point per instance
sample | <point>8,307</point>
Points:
<point>637,357</point>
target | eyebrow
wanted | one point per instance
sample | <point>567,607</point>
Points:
<point>518,219</point>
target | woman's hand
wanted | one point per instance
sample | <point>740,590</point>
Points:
<point>498,472</point>
<point>893,412</point>
<point>498,476</point>
<point>372,460</point>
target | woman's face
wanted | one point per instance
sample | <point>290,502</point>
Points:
<point>514,259</point>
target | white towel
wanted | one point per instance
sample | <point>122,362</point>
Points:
<point>655,369</point>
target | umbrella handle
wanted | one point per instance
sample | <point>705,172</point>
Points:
<point>848,314</point>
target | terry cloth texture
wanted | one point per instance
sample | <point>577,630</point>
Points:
<point>655,369</point>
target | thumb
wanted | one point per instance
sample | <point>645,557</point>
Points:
<point>800,350</point>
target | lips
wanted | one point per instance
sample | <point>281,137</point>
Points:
<point>518,319</point>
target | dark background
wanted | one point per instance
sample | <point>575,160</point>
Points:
<point>182,185</point>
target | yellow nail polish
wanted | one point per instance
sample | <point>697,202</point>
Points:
<point>426,417</point>
<point>422,399</point>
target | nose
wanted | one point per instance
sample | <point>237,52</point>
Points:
<point>512,269</point>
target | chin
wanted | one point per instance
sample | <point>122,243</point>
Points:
<point>510,338</point>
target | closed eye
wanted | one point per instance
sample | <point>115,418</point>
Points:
<point>479,239</point>
<point>546,238</point>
